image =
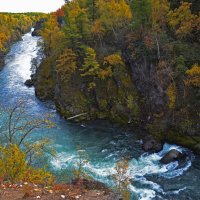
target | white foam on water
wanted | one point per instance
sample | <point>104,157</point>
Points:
<point>143,194</point>
<point>176,191</point>
<point>146,164</point>
<point>101,172</point>
<point>62,160</point>
<point>168,147</point>
<point>177,172</point>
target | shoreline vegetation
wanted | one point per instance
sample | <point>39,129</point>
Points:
<point>23,174</point>
<point>13,26</point>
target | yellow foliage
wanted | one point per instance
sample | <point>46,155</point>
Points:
<point>9,24</point>
<point>171,93</point>
<point>121,178</point>
<point>105,73</point>
<point>90,66</point>
<point>53,37</point>
<point>113,60</point>
<point>97,28</point>
<point>160,9</point>
<point>39,176</point>
<point>182,20</point>
<point>91,86</point>
<point>66,64</point>
<point>12,163</point>
<point>114,13</point>
<point>14,167</point>
<point>193,76</point>
<point>112,65</point>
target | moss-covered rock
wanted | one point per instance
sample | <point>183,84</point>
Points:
<point>44,82</point>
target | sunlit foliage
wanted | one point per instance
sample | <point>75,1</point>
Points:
<point>13,25</point>
<point>14,167</point>
<point>193,76</point>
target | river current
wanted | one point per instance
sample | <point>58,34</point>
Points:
<point>103,143</point>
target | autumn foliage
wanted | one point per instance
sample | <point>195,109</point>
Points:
<point>14,167</point>
<point>13,25</point>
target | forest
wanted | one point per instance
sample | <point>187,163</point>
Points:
<point>135,63</point>
<point>13,25</point>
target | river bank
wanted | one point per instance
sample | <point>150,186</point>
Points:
<point>103,142</point>
<point>88,190</point>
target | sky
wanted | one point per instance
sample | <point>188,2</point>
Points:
<point>30,5</point>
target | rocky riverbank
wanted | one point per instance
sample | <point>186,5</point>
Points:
<point>81,190</point>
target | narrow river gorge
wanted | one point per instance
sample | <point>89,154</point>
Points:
<point>104,143</point>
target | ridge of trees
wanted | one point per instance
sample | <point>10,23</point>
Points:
<point>92,35</point>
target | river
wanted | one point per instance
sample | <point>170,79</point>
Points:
<point>104,143</point>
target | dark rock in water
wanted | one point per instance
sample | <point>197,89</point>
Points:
<point>29,83</point>
<point>33,77</point>
<point>172,155</point>
<point>150,144</point>
<point>35,33</point>
<point>38,26</point>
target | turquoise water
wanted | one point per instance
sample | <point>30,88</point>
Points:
<point>104,143</point>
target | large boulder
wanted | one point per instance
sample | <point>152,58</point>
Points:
<point>152,145</point>
<point>172,155</point>
<point>29,83</point>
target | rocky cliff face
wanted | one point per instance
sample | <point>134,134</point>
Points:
<point>115,98</point>
<point>143,101</point>
<point>38,26</point>
<point>151,84</point>
<point>167,102</point>
<point>1,59</point>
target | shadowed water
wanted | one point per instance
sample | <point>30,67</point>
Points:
<point>104,143</point>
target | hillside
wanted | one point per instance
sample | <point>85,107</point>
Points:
<point>135,63</point>
<point>13,26</point>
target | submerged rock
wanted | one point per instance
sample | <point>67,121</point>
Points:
<point>172,155</point>
<point>29,83</point>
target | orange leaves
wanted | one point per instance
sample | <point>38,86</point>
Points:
<point>60,13</point>
<point>39,176</point>
<point>11,26</point>
<point>160,9</point>
<point>12,163</point>
<point>114,13</point>
<point>171,93</point>
<point>66,64</point>
<point>111,64</point>
<point>14,167</point>
<point>113,60</point>
<point>193,76</point>
<point>52,35</point>
<point>4,38</point>
<point>181,20</point>
<point>105,73</point>
<point>97,28</point>
<point>74,10</point>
